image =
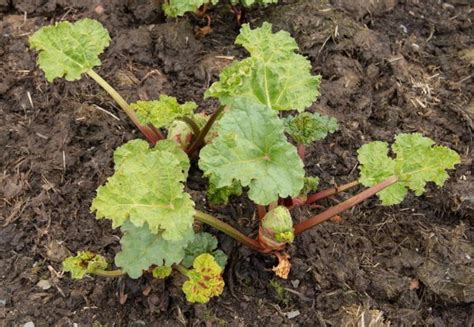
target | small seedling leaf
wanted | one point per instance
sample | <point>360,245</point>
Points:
<point>205,279</point>
<point>85,262</point>
<point>162,272</point>
<point>251,148</point>
<point>417,162</point>
<point>69,49</point>
<point>203,243</point>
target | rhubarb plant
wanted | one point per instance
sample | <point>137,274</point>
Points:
<point>243,148</point>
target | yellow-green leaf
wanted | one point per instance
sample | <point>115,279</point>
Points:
<point>205,280</point>
<point>147,187</point>
<point>85,262</point>
<point>69,49</point>
<point>417,162</point>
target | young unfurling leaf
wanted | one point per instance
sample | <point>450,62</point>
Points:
<point>161,113</point>
<point>205,279</point>
<point>85,262</point>
<point>251,148</point>
<point>69,49</point>
<point>142,249</point>
<point>203,243</point>
<point>417,162</point>
<point>147,187</point>
<point>276,229</point>
<point>273,75</point>
<point>306,127</point>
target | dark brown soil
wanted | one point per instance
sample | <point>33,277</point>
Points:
<point>388,66</point>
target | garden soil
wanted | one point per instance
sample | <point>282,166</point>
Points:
<point>387,67</point>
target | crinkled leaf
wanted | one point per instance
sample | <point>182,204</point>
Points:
<point>161,113</point>
<point>306,127</point>
<point>141,248</point>
<point>220,196</point>
<point>203,243</point>
<point>85,262</point>
<point>175,8</point>
<point>417,162</point>
<point>69,49</point>
<point>273,75</point>
<point>161,272</point>
<point>310,184</point>
<point>205,279</point>
<point>147,187</point>
<point>251,148</point>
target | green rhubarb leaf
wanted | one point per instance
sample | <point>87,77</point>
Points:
<point>69,49</point>
<point>220,196</point>
<point>205,279</point>
<point>85,262</point>
<point>147,187</point>
<point>203,243</point>
<point>417,162</point>
<point>161,113</point>
<point>175,8</point>
<point>306,127</point>
<point>273,75</point>
<point>162,272</point>
<point>141,249</point>
<point>251,148</point>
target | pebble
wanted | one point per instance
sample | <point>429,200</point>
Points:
<point>293,314</point>
<point>44,284</point>
<point>29,324</point>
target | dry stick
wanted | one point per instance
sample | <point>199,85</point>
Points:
<point>229,230</point>
<point>149,133</point>
<point>200,138</point>
<point>329,192</point>
<point>337,209</point>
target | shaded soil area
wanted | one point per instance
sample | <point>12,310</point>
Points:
<point>387,67</point>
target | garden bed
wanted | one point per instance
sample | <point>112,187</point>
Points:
<point>387,67</point>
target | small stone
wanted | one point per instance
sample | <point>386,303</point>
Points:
<point>295,283</point>
<point>293,314</point>
<point>44,284</point>
<point>3,303</point>
<point>29,324</point>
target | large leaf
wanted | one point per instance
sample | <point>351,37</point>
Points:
<point>147,187</point>
<point>141,248</point>
<point>306,127</point>
<point>175,8</point>
<point>162,112</point>
<point>69,50</point>
<point>417,162</point>
<point>273,75</point>
<point>251,148</point>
